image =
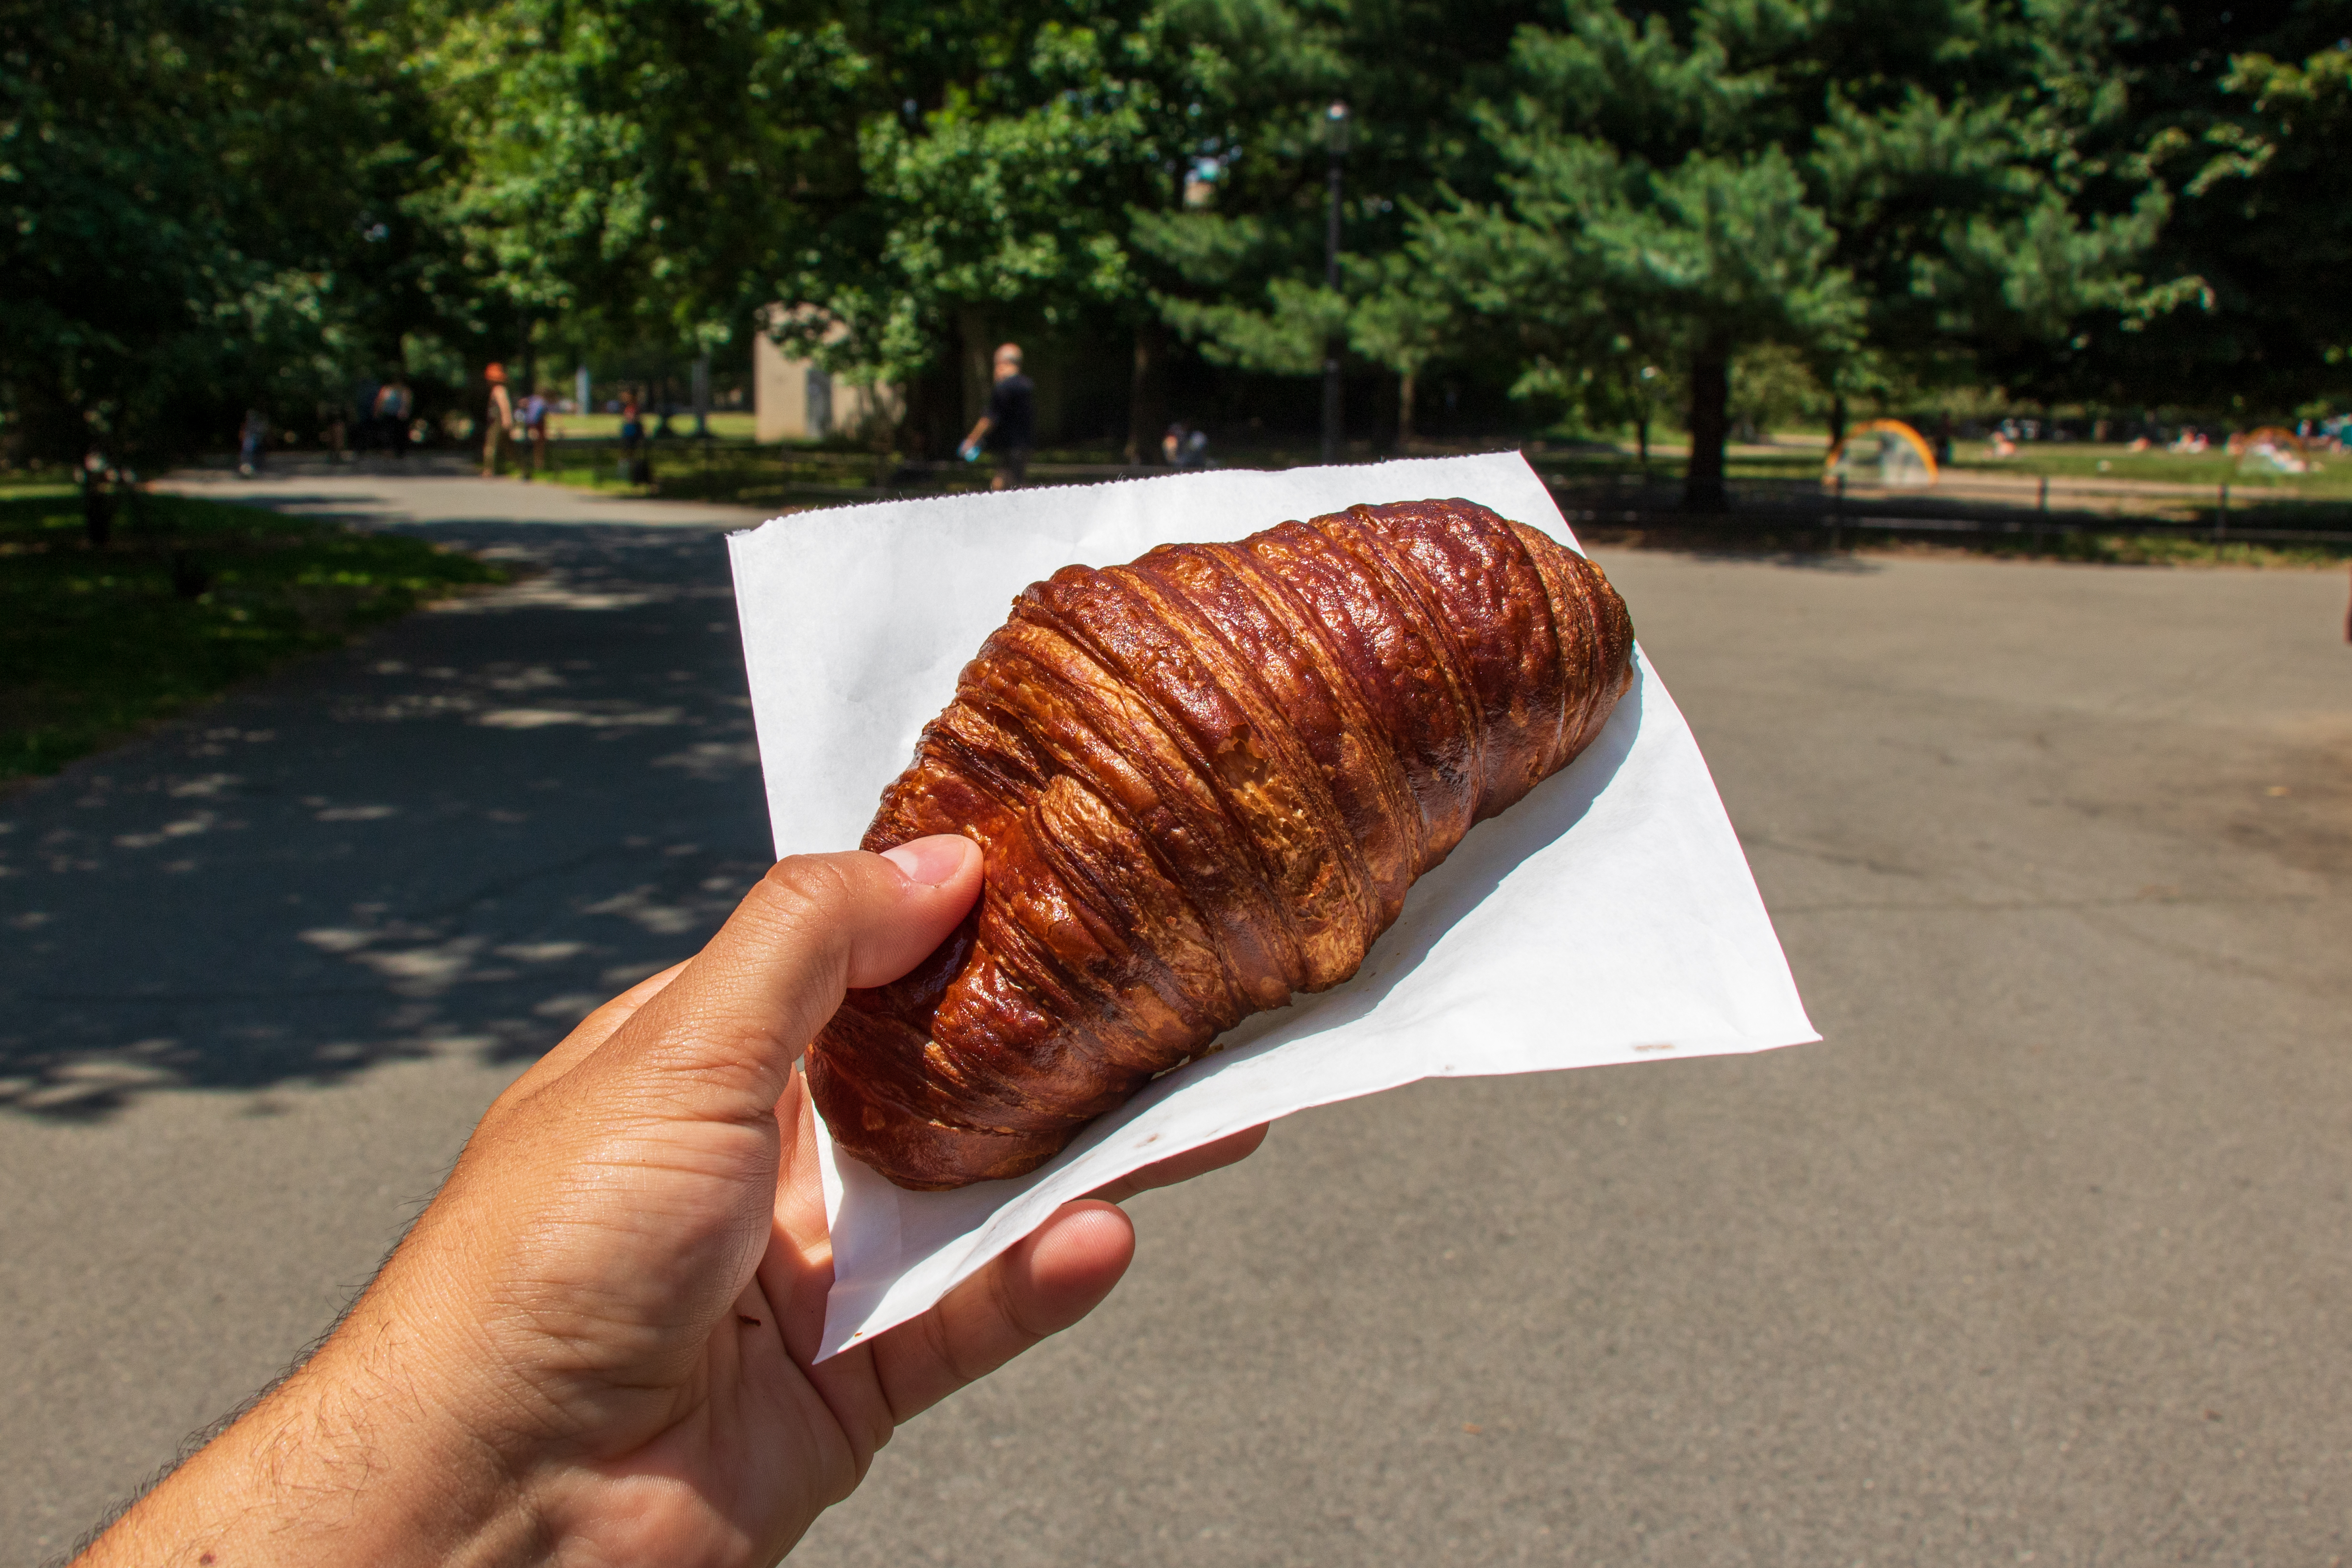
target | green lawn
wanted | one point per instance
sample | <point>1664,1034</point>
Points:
<point>607,426</point>
<point>2330,477</point>
<point>741,472</point>
<point>188,598</point>
<point>2162,550</point>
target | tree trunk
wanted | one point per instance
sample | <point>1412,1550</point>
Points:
<point>1710,400</point>
<point>978,355</point>
<point>1405,411</point>
<point>1384,414</point>
<point>1147,392</point>
<point>1837,418</point>
<point>934,408</point>
<point>97,511</point>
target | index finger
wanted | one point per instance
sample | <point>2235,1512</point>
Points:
<point>1192,1163</point>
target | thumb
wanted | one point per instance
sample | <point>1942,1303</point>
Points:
<point>718,1042</point>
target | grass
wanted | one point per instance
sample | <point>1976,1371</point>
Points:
<point>1774,476</point>
<point>2330,478</point>
<point>190,597</point>
<point>2118,547</point>
<point>607,426</point>
<point>739,472</point>
<point>2159,550</point>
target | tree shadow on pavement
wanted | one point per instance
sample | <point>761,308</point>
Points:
<point>1803,548</point>
<point>458,835</point>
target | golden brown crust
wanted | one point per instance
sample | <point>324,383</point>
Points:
<point>1202,782</point>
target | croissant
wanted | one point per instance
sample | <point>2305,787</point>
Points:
<point>1202,782</point>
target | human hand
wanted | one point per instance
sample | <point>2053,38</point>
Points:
<point>596,1343</point>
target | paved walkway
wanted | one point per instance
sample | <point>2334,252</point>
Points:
<point>2041,1253</point>
<point>436,490</point>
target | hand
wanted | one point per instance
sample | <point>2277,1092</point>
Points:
<point>596,1342</point>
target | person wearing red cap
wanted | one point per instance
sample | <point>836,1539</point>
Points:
<point>498,432</point>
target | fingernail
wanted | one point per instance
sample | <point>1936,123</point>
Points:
<point>927,862</point>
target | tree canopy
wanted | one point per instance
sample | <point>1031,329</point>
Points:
<point>1606,209</point>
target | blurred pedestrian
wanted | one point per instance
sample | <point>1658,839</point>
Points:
<point>1184,447</point>
<point>535,409</point>
<point>498,432</point>
<point>394,404</point>
<point>635,469</point>
<point>252,441</point>
<point>1009,429</point>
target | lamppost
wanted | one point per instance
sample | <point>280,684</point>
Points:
<point>1335,138</point>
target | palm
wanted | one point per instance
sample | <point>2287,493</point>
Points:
<point>705,1403</point>
<point>700,1400</point>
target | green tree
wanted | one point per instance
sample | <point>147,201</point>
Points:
<point>1648,214</point>
<point>637,173</point>
<point>1006,206</point>
<point>1861,182</point>
<point>2244,112</point>
<point>1241,271</point>
<point>2280,171</point>
<point>198,211</point>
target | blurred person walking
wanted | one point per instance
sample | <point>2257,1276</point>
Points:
<point>498,421</point>
<point>394,404</point>
<point>635,469</point>
<point>535,409</point>
<point>1009,428</point>
<point>1184,447</point>
<point>252,442</point>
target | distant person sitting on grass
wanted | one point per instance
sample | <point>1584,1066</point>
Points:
<point>498,421</point>
<point>598,1343</point>
<point>1009,428</point>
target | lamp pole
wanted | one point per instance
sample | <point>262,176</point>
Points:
<point>1335,127</point>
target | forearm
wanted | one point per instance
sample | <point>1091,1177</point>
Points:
<point>978,431</point>
<point>348,1461</point>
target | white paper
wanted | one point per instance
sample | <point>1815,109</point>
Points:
<point>1618,882</point>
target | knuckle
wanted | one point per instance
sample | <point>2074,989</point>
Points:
<point>807,896</point>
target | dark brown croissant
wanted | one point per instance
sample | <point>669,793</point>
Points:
<point>1202,782</point>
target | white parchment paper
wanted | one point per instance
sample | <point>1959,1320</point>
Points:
<point>1610,917</point>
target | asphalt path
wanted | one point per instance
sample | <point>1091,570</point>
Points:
<point>2041,1256</point>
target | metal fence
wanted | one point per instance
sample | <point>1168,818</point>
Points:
<point>2052,508</point>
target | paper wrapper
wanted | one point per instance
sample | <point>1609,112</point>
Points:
<point>1609,917</point>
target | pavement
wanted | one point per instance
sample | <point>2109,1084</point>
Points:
<point>2041,1256</point>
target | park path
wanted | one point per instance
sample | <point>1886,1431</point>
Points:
<point>578,740</point>
<point>260,970</point>
<point>2041,1252</point>
<point>439,490</point>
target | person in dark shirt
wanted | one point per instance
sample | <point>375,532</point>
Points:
<point>1009,428</point>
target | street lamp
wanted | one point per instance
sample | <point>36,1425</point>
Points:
<point>1335,139</point>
